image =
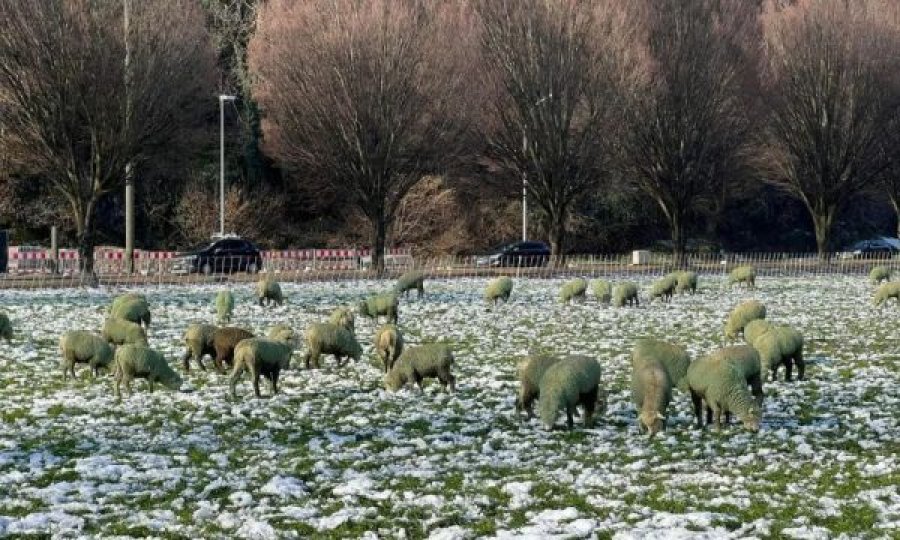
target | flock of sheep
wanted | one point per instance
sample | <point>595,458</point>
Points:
<point>727,381</point>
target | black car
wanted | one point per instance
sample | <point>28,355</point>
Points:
<point>224,255</point>
<point>517,254</point>
<point>878,247</point>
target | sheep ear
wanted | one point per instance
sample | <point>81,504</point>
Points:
<point>660,416</point>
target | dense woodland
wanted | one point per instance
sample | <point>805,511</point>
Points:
<point>678,124</point>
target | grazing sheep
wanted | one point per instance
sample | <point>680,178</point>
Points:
<point>626,293</point>
<point>224,306</point>
<point>327,338</point>
<point>565,385</point>
<point>879,274</point>
<point>80,347</point>
<point>573,289</point>
<point>131,307</point>
<point>651,392</point>
<point>268,291</point>
<point>664,288</point>
<point>262,357</point>
<point>121,332</point>
<point>781,345</point>
<point>421,362</point>
<point>142,362</point>
<point>6,331</point>
<point>224,342</point>
<point>498,289</point>
<point>754,329</point>
<point>530,371</point>
<point>885,291</point>
<point>745,275</point>
<point>198,339</point>
<point>380,304</point>
<point>674,358</point>
<point>723,387</point>
<point>746,359</point>
<point>687,282</point>
<point>602,290</point>
<point>412,280</point>
<point>388,345</point>
<point>343,316</point>
<point>741,315</point>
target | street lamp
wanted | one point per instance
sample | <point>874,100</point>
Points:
<point>222,99</point>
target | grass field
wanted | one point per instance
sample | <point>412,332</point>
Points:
<point>335,456</point>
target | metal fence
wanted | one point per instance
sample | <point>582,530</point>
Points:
<point>350,265</point>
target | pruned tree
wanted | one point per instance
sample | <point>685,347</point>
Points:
<point>831,70</point>
<point>687,121</point>
<point>62,92</point>
<point>363,99</point>
<point>554,70</point>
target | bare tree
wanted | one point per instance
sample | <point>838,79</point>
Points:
<point>363,98</point>
<point>62,90</point>
<point>831,70</point>
<point>686,119</point>
<point>553,72</point>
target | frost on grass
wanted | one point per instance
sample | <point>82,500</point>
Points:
<point>334,455</point>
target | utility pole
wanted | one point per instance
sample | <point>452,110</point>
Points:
<point>524,192</point>
<point>129,165</point>
<point>222,99</point>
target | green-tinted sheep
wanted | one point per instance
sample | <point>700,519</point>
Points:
<point>687,282</point>
<point>651,392</point>
<point>781,345</point>
<point>281,332</point>
<point>498,289</point>
<point>433,360</point>
<point>885,291</point>
<point>602,290</point>
<point>343,316</point>
<point>746,359</point>
<point>674,358</point>
<point>743,275</point>
<point>626,293</point>
<point>80,347</point>
<point>664,288</point>
<point>131,307</point>
<point>879,274</point>
<point>142,362</point>
<point>121,332</point>
<point>6,329</point>
<point>573,289</point>
<point>388,345</point>
<point>723,387</point>
<point>412,280</point>
<point>754,329</point>
<point>565,385</point>
<point>530,371</point>
<point>385,304</point>
<point>741,315</point>
<point>268,291</point>
<point>198,341</point>
<point>264,357</point>
<point>224,306</point>
<point>327,338</point>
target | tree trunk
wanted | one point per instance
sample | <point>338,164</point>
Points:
<point>679,242</point>
<point>557,233</point>
<point>822,221</point>
<point>896,203</point>
<point>379,231</point>
<point>84,233</point>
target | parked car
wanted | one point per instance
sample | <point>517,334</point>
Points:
<point>517,254</point>
<point>225,255</point>
<point>882,246</point>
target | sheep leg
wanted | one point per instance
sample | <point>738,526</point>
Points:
<point>801,365</point>
<point>717,412</point>
<point>570,422</point>
<point>788,369</point>
<point>756,388</point>
<point>254,375</point>
<point>274,379</point>
<point>709,415</point>
<point>697,402</point>
<point>306,359</point>
<point>235,374</point>
<point>200,361</point>
<point>589,402</point>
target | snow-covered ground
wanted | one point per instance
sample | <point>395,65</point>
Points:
<point>334,455</point>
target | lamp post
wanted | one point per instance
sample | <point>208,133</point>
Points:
<point>222,99</point>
